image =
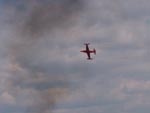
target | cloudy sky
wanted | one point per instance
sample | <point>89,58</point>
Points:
<point>43,71</point>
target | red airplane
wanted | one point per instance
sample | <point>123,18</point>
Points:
<point>88,51</point>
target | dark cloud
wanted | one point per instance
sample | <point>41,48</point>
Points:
<point>46,16</point>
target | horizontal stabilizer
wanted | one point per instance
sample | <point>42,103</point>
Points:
<point>89,58</point>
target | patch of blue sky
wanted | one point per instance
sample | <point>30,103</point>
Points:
<point>4,2</point>
<point>12,109</point>
<point>44,86</point>
<point>88,103</point>
<point>19,5</point>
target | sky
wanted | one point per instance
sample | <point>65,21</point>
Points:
<point>43,71</point>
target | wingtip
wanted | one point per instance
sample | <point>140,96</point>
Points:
<point>94,51</point>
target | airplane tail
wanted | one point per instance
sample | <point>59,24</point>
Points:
<point>86,43</point>
<point>94,51</point>
<point>89,58</point>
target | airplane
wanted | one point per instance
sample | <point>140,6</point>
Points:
<point>88,51</point>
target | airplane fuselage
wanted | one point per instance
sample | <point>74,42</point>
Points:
<point>88,51</point>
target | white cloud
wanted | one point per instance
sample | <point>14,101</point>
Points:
<point>6,98</point>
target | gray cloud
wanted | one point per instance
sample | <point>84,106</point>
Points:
<point>44,17</point>
<point>42,65</point>
<point>31,54</point>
